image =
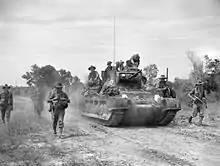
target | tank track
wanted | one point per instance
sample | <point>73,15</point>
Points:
<point>114,120</point>
<point>170,115</point>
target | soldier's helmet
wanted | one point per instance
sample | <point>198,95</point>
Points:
<point>199,83</point>
<point>59,86</point>
<point>162,77</point>
<point>109,63</point>
<point>6,86</point>
<point>136,56</point>
<point>92,67</point>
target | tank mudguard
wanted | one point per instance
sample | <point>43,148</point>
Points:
<point>168,104</point>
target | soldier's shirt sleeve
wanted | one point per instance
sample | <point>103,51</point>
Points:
<point>51,96</point>
<point>66,96</point>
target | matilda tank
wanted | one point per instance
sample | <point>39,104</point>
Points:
<point>123,100</point>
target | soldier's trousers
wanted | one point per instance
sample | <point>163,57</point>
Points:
<point>6,114</point>
<point>198,109</point>
<point>57,117</point>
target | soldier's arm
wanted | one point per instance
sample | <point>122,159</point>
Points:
<point>66,97</point>
<point>191,94</point>
<point>50,97</point>
<point>89,77</point>
<point>97,75</point>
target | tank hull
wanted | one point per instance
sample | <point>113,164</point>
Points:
<point>118,111</point>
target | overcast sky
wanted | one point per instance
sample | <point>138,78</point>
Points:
<point>74,34</point>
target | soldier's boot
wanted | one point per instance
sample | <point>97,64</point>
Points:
<point>190,119</point>
<point>200,120</point>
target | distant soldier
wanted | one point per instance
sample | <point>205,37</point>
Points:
<point>108,68</point>
<point>6,103</point>
<point>59,101</point>
<point>135,60</point>
<point>94,78</point>
<point>121,65</point>
<point>199,101</point>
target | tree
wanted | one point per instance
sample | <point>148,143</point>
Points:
<point>41,76</point>
<point>151,72</point>
<point>212,68</point>
<point>65,77</point>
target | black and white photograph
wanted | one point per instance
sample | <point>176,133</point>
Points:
<point>110,82</point>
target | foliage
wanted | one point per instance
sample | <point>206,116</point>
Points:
<point>150,72</point>
<point>65,77</point>
<point>208,70</point>
<point>212,69</point>
<point>47,76</point>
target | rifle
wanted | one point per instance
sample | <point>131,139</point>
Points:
<point>58,101</point>
<point>202,102</point>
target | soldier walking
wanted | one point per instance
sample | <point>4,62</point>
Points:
<point>59,101</point>
<point>199,102</point>
<point>6,104</point>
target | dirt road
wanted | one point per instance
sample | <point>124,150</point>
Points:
<point>31,142</point>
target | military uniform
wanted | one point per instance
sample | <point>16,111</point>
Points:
<point>94,79</point>
<point>59,101</point>
<point>199,102</point>
<point>162,87</point>
<point>108,68</point>
<point>50,94</point>
<point>128,64</point>
<point>135,60</point>
<point>121,66</point>
<point>6,104</point>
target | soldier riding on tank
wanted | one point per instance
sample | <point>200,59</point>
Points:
<point>94,79</point>
<point>108,68</point>
<point>163,88</point>
<point>135,60</point>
